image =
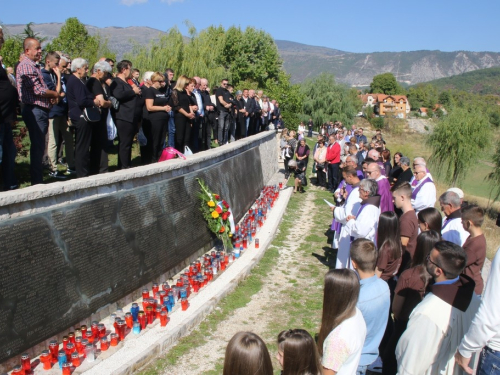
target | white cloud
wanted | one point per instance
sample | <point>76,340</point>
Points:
<point>170,2</point>
<point>133,2</point>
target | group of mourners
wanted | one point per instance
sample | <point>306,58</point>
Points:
<point>69,113</point>
<point>406,295</point>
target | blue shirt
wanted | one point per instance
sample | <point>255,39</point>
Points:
<point>449,281</point>
<point>374,301</point>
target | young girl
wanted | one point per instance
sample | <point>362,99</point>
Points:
<point>246,354</point>
<point>297,353</point>
<point>389,248</point>
<point>343,329</point>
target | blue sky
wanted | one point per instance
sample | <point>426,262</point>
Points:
<point>349,25</point>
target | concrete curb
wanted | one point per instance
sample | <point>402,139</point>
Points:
<point>137,351</point>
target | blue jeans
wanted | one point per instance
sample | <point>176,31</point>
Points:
<point>247,123</point>
<point>37,122</point>
<point>8,154</point>
<point>361,370</point>
<point>489,362</point>
<point>171,130</point>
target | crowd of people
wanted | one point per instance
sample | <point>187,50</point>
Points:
<point>75,108</point>
<point>406,294</point>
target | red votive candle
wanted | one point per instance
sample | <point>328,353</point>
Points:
<point>114,339</point>
<point>45,359</point>
<point>145,293</point>
<point>155,288</point>
<point>104,344</point>
<point>158,311</point>
<point>71,337</point>
<point>75,359</point>
<point>121,329</point>
<point>102,330</point>
<point>150,314</point>
<point>54,349</point>
<point>83,329</point>
<point>256,243</point>
<point>70,348</point>
<point>129,319</point>
<point>82,348</point>
<point>66,368</point>
<point>17,370</point>
<point>78,344</point>
<point>163,318</point>
<point>26,362</point>
<point>65,341</point>
<point>141,317</point>
<point>184,304</point>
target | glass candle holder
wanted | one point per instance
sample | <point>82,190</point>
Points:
<point>163,318</point>
<point>142,319</point>
<point>165,286</point>
<point>121,329</point>
<point>45,359</point>
<point>184,304</point>
<point>70,348</point>
<point>150,314</point>
<point>113,339</point>
<point>158,311</point>
<point>145,293</point>
<point>257,244</point>
<point>61,358</point>
<point>78,344</point>
<point>134,310</point>
<point>85,342</point>
<point>236,253</point>
<point>155,288</point>
<point>71,337</point>
<point>17,370</point>
<point>66,369</point>
<point>75,359</point>
<point>83,329</point>
<point>104,344</point>
<point>102,330</point>
<point>54,349</point>
<point>26,362</point>
<point>90,353</point>
<point>183,292</point>
<point>136,328</point>
<point>65,341</point>
<point>129,320</point>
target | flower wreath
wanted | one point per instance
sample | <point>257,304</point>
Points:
<point>217,214</point>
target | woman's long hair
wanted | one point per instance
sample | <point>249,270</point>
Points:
<point>425,242</point>
<point>432,218</point>
<point>339,301</point>
<point>388,234</point>
<point>300,354</point>
<point>181,83</point>
<point>246,354</point>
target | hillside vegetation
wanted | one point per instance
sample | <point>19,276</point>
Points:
<point>483,81</point>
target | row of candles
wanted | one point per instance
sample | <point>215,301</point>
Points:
<point>82,343</point>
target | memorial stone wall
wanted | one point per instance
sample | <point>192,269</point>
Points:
<point>69,249</point>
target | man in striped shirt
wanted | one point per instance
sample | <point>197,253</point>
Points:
<point>36,101</point>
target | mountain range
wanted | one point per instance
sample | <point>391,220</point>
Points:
<point>304,61</point>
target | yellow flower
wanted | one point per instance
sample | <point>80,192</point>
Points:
<point>211,204</point>
<point>215,214</point>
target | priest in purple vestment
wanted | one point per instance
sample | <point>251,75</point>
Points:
<point>384,187</point>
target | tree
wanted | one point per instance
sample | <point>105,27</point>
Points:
<point>457,142</point>
<point>289,97</point>
<point>386,84</point>
<point>11,50</point>
<point>75,40</point>
<point>495,176</point>
<point>325,100</point>
<point>28,32</point>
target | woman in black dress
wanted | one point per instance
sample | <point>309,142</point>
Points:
<point>101,91</point>
<point>125,114</point>
<point>156,103</point>
<point>181,103</point>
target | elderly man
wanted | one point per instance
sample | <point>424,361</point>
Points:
<point>384,187</point>
<point>424,190</point>
<point>37,100</point>
<point>341,213</point>
<point>438,323</point>
<point>365,223</point>
<point>452,229</point>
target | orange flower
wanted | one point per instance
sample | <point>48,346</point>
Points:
<point>222,229</point>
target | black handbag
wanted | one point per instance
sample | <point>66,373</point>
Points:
<point>91,114</point>
<point>303,180</point>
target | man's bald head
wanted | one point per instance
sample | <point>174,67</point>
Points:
<point>373,171</point>
<point>32,49</point>
<point>374,154</point>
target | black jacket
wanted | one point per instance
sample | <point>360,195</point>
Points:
<point>124,93</point>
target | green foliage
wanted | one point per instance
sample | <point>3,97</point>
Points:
<point>247,58</point>
<point>28,32</point>
<point>75,40</point>
<point>495,175</point>
<point>377,123</point>
<point>288,96</point>
<point>325,100</point>
<point>482,81</point>
<point>11,50</point>
<point>457,142</point>
<point>423,95</point>
<point>386,84</point>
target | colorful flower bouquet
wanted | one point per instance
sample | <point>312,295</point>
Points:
<point>217,213</point>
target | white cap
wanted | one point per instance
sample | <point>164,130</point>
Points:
<point>457,191</point>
